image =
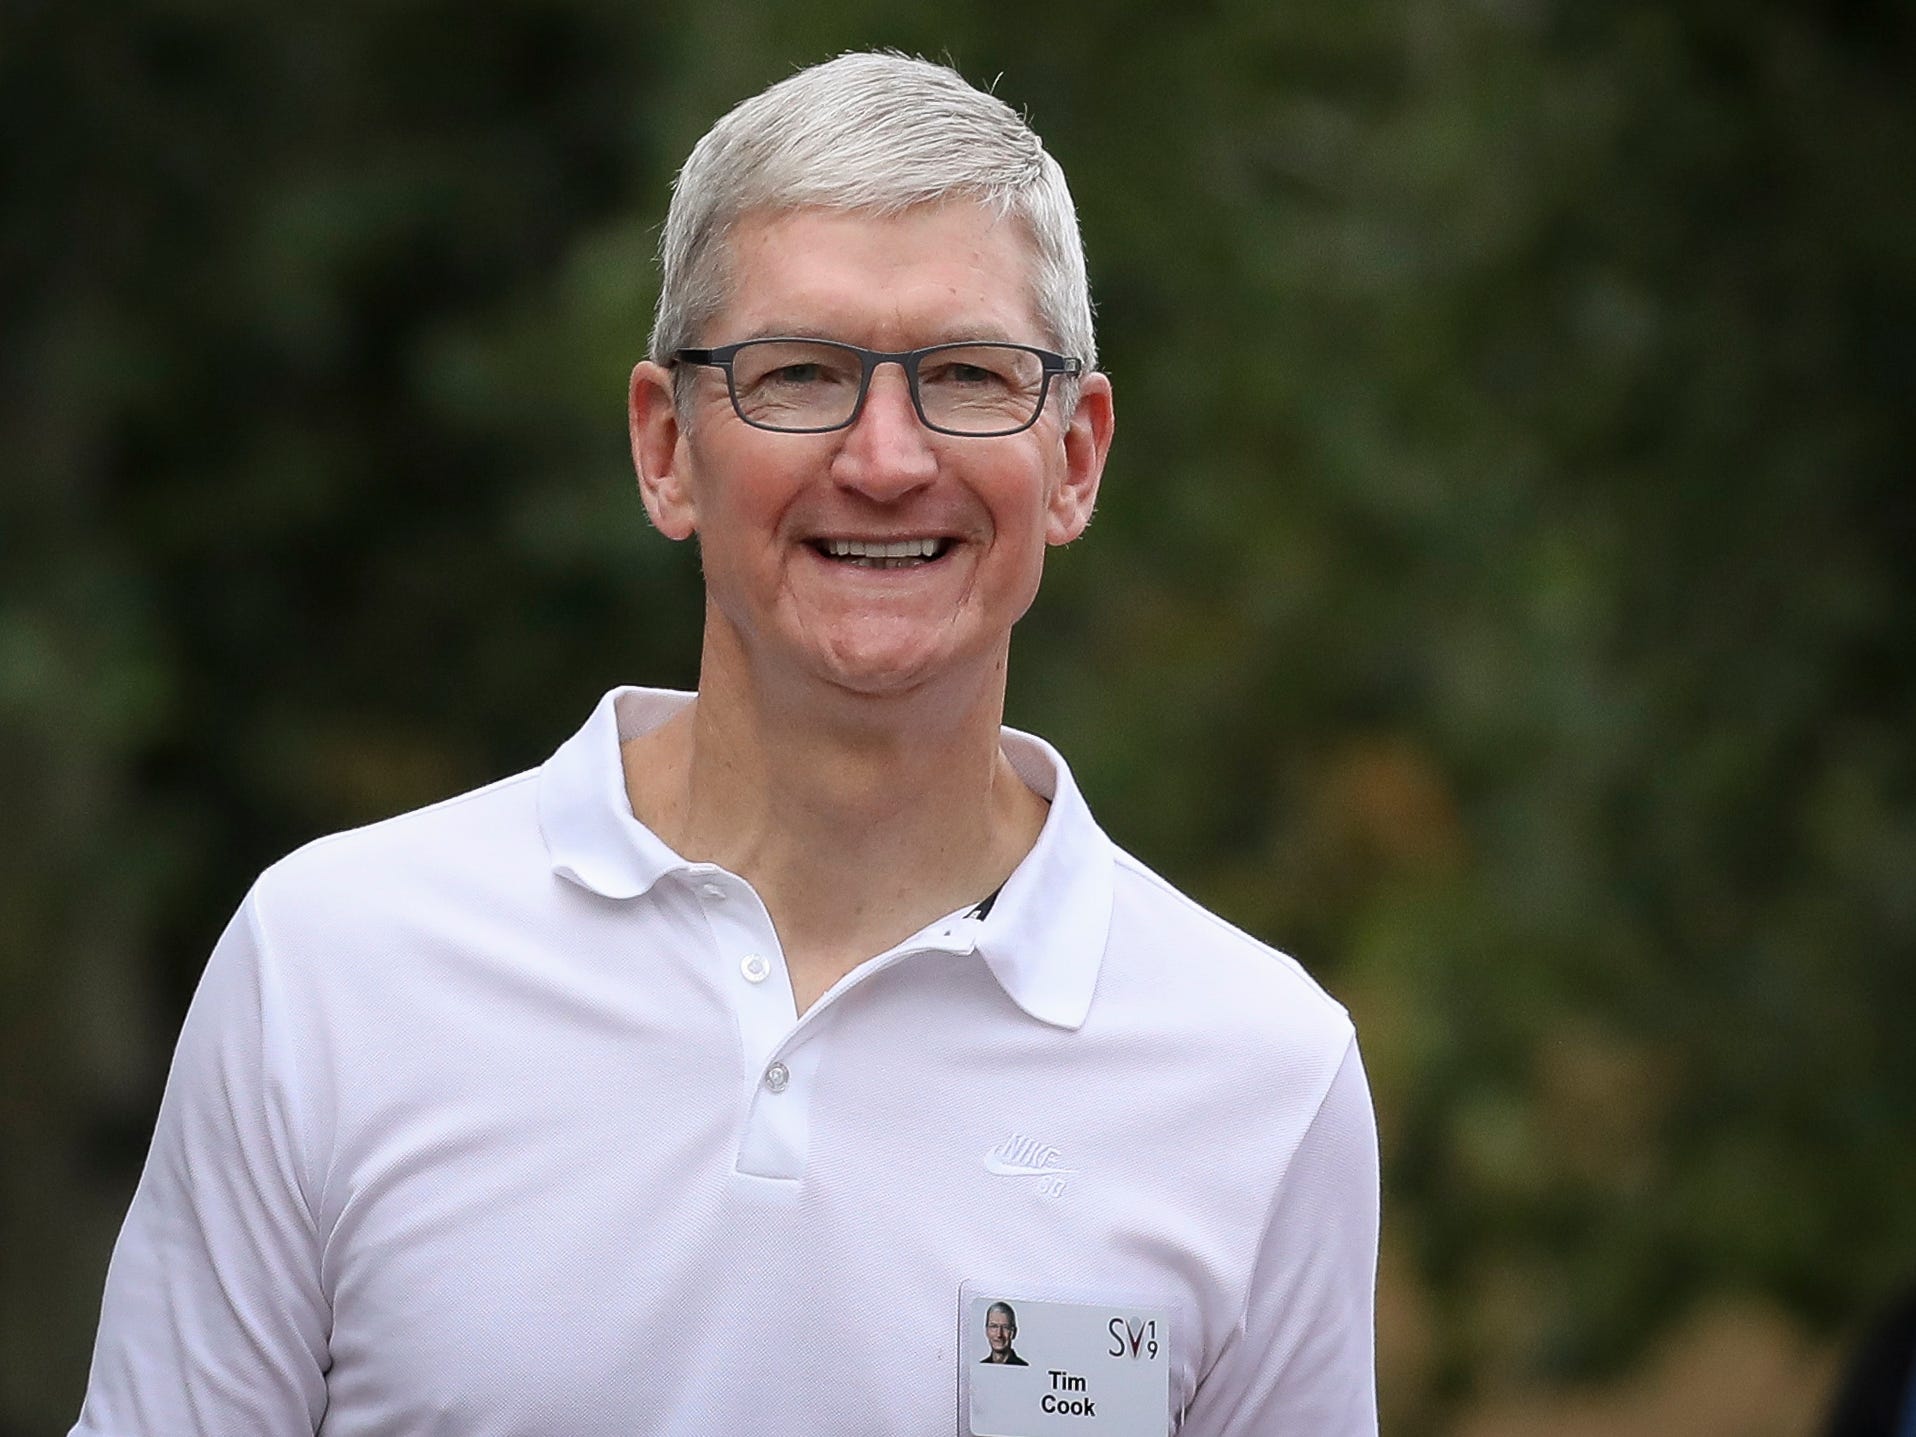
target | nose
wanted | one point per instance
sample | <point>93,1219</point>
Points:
<point>887,452</point>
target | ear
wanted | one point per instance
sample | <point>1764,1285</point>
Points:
<point>1087,440</point>
<point>658,453</point>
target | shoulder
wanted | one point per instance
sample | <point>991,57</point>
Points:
<point>377,933</point>
<point>1167,931</point>
<point>461,846</point>
<point>1187,978</point>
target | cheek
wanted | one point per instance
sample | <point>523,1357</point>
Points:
<point>744,507</point>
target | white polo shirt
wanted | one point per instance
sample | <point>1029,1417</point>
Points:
<point>496,1120</point>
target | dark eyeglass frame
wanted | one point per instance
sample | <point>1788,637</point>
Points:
<point>1054,366</point>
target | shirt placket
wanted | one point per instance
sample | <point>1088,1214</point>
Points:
<point>780,1052</point>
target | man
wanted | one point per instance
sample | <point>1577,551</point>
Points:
<point>1001,1329</point>
<point>560,1107</point>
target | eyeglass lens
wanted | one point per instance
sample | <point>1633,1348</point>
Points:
<point>813,384</point>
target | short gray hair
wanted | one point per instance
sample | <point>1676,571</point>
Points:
<point>878,132</point>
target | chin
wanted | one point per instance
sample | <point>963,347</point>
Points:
<point>880,670</point>
<point>884,659</point>
<point>877,680</point>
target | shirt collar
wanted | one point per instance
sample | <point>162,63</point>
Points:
<point>1043,939</point>
<point>584,812</point>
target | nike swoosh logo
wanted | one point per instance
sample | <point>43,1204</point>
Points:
<point>996,1164</point>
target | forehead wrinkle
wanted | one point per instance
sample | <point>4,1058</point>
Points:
<point>733,242</point>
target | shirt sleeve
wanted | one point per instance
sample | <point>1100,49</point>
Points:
<point>214,1321</point>
<point>1303,1358</point>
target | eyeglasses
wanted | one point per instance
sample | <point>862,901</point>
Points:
<point>813,386</point>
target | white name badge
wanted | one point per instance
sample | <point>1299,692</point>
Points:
<point>1041,1368</point>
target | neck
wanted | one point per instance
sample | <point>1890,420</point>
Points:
<point>857,819</point>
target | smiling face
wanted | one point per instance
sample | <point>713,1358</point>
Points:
<point>999,1330</point>
<point>880,557</point>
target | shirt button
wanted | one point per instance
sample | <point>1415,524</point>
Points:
<point>713,891</point>
<point>777,1077</point>
<point>754,968</point>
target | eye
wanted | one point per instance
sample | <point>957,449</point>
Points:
<point>983,371</point>
<point>783,364</point>
<point>961,374</point>
<point>811,373</point>
<point>973,374</point>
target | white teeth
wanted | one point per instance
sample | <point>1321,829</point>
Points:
<point>873,549</point>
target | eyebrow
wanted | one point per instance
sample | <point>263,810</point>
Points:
<point>989,335</point>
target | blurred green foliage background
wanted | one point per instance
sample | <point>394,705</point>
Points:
<point>1501,598</point>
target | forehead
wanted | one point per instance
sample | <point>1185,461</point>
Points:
<point>952,270</point>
